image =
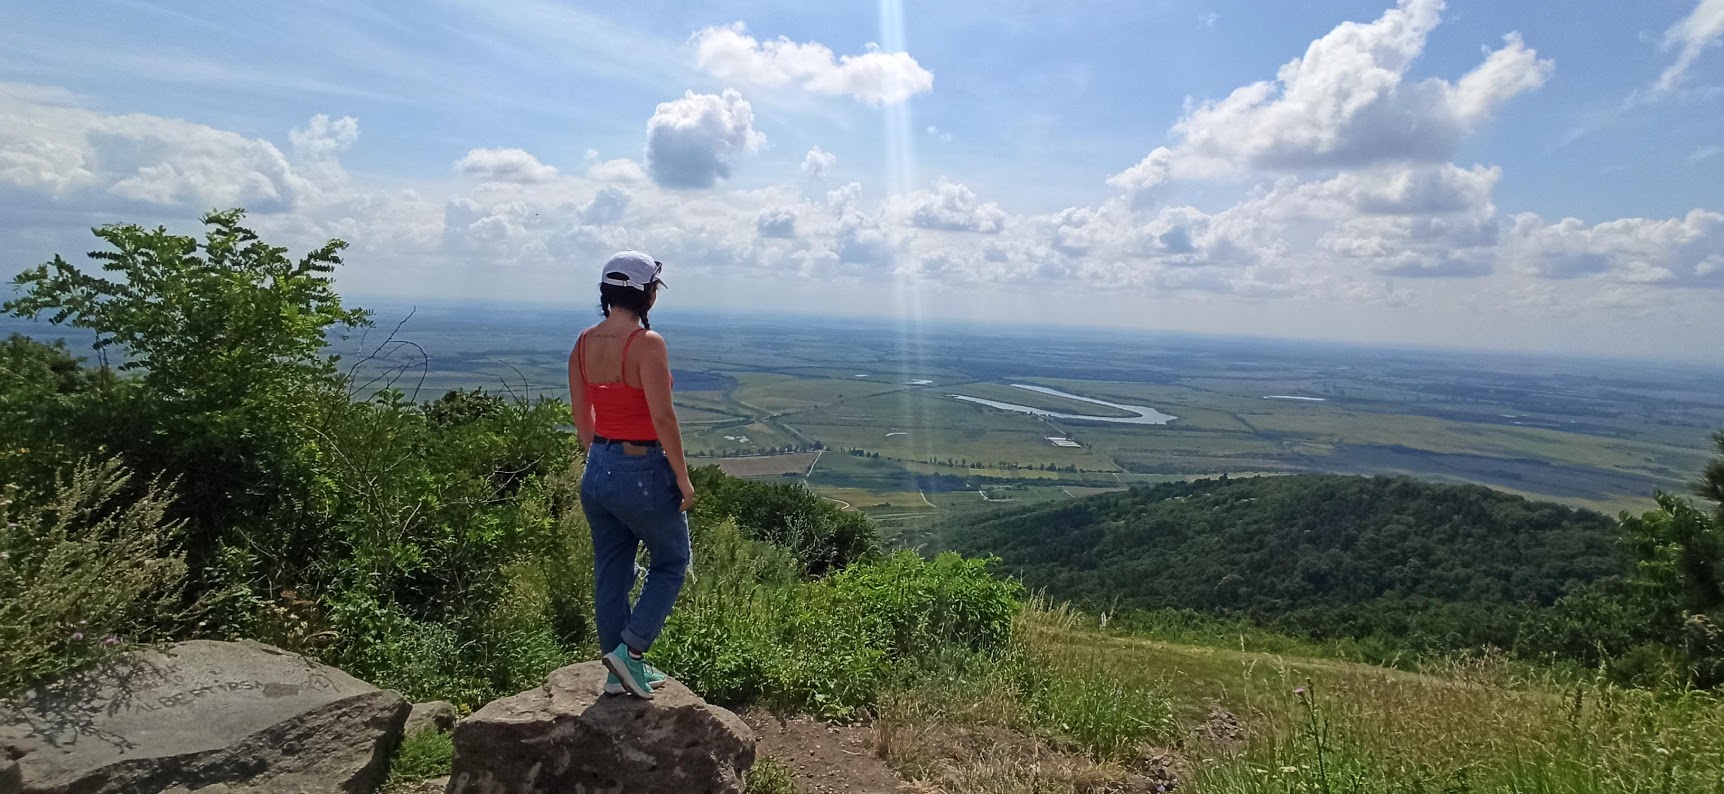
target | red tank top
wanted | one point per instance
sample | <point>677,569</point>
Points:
<point>620,411</point>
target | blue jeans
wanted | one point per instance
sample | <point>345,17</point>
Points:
<point>630,500</point>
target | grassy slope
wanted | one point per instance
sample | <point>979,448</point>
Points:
<point>1479,727</point>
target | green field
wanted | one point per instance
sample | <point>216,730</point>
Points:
<point>1598,434</point>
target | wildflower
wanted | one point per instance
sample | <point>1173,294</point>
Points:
<point>77,636</point>
<point>110,640</point>
<point>1300,691</point>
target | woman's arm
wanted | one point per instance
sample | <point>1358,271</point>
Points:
<point>655,380</point>
<point>578,400</point>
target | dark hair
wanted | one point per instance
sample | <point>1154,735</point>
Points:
<point>635,300</point>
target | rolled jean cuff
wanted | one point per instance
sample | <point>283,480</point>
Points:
<point>635,642</point>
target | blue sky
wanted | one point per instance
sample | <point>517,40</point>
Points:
<point>1464,174</point>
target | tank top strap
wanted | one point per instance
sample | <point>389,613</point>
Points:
<point>626,345</point>
<point>581,356</point>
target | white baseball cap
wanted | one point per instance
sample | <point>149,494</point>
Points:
<point>632,269</point>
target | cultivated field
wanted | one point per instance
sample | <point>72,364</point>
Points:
<point>1599,434</point>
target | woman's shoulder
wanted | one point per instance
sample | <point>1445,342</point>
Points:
<point>649,339</point>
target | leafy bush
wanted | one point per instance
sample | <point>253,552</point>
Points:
<point>822,536</point>
<point>747,630</point>
<point>223,338</point>
<point>83,574</point>
<point>919,606</point>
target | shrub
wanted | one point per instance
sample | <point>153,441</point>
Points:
<point>920,606</point>
<point>83,573</point>
<point>822,536</point>
<point>421,756</point>
<point>746,630</point>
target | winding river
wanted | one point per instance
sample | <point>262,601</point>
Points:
<point>1145,414</point>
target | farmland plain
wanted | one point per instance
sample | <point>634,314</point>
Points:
<point>879,404</point>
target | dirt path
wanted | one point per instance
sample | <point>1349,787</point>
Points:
<point>826,759</point>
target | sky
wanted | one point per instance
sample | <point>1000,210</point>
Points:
<point>1470,174</point>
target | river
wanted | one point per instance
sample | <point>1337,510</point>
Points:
<point>1145,414</point>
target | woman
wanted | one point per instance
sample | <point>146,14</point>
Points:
<point>636,488</point>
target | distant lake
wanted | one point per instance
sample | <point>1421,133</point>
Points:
<point>1145,414</point>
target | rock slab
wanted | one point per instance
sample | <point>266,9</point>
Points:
<point>216,716</point>
<point>569,737</point>
<point>436,715</point>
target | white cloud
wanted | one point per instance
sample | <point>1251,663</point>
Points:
<point>778,222</point>
<point>49,143</point>
<point>951,207</point>
<point>1690,37</point>
<point>817,164</point>
<point>1346,241</point>
<point>693,142</point>
<point>1139,182</point>
<point>935,132</point>
<point>504,165</point>
<point>1346,102</point>
<point>323,137</point>
<point>1687,251</point>
<point>1703,153</point>
<point>875,77</point>
<point>623,171</point>
<point>608,206</point>
<point>862,241</point>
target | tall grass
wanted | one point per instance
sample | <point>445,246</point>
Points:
<point>1110,710</point>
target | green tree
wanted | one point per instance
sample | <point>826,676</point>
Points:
<point>1679,571</point>
<point>224,338</point>
<point>1678,551</point>
<point>1710,486</point>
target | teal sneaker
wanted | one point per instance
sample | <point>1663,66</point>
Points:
<point>630,672</point>
<point>655,679</point>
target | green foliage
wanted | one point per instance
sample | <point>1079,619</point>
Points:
<point>50,407</point>
<point>919,606</point>
<point>1710,486</point>
<point>224,338</point>
<point>430,547</point>
<point>823,536</point>
<point>748,628</point>
<point>1679,551</point>
<point>421,756</point>
<point>1415,565</point>
<point>769,776</point>
<point>83,574</point>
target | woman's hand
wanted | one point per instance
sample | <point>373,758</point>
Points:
<point>687,487</point>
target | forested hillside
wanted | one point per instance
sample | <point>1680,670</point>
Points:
<point>1435,566</point>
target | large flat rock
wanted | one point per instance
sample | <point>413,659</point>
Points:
<point>236,717</point>
<point>568,737</point>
